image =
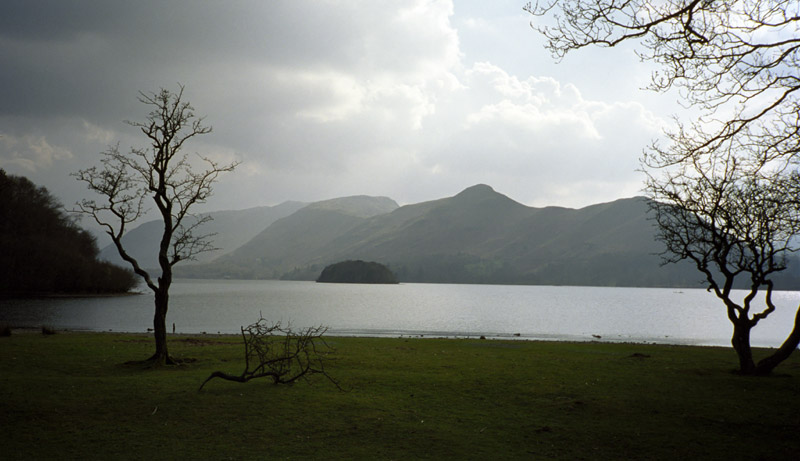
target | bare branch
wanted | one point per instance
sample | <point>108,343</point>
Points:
<point>281,354</point>
<point>725,188</point>
<point>736,223</point>
<point>739,57</point>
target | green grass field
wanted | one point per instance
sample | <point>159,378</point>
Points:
<point>70,396</point>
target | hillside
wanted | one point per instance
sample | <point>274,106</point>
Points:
<point>289,243</point>
<point>42,249</point>
<point>232,229</point>
<point>476,236</point>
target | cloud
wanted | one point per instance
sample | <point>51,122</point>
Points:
<point>547,142</point>
<point>321,99</point>
<point>30,152</point>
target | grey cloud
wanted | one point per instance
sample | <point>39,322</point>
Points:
<point>318,99</point>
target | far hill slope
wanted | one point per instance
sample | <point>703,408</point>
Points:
<point>476,236</point>
<point>476,221</point>
<point>295,241</point>
<point>232,229</point>
<point>361,206</point>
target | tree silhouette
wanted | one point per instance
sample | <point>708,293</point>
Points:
<point>726,185</point>
<point>164,174</point>
<point>733,226</point>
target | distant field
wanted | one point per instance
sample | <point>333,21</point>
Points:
<point>69,396</point>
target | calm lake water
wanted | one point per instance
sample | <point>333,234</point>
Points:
<point>674,316</point>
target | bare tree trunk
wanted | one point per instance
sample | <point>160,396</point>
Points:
<point>161,356</point>
<point>741,344</point>
<point>766,365</point>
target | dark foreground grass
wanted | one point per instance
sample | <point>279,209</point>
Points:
<point>70,396</point>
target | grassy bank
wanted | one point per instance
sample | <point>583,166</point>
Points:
<point>70,396</point>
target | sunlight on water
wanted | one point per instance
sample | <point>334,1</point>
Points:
<point>676,316</point>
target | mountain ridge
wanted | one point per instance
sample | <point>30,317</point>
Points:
<point>233,228</point>
<point>476,236</point>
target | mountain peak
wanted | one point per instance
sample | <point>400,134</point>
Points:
<point>478,189</point>
<point>481,193</point>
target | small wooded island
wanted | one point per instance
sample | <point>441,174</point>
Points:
<point>357,272</point>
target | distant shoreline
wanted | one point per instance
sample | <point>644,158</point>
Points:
<point>488,338</point>
<point>11,296</point>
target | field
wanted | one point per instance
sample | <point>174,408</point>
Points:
<point>71,395</point>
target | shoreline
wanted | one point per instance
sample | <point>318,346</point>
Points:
<point>455,338</point>
<point>24,296</point>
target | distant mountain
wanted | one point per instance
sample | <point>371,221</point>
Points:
<point>289,243</point>
<point>233,228</point>
<point>477,236</point>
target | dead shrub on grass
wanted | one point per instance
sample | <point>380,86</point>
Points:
<point>278,353</point>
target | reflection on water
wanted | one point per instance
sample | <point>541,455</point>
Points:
<point>527,312</point>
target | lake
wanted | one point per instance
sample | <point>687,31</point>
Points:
<point>670,316</point>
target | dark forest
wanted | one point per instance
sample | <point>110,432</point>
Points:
<point>44,251</point>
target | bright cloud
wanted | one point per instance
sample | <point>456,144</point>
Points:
<point>30,153</point>
<point>415,99</point>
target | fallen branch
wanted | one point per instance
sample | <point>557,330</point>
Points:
<point>278,353</point>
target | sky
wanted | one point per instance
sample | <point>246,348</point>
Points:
<point>411,99</point>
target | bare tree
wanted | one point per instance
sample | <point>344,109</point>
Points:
<point>737,61</point>
<point>280,354</point>
<point>725,188</point>
<point>737,229</point>
<point>165,174</point>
